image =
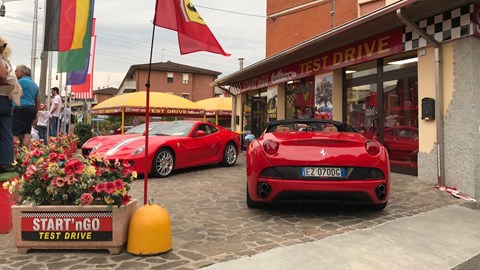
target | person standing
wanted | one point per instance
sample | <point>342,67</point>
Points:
<point>42,122</point>
<point>8,85</point>
<point>24,114</point>
<point>55,106</point>
<point>65,117</point>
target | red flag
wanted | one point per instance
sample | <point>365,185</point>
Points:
<point>83,91</point>
<point>193,34</point>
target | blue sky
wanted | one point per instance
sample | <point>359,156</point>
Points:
<point>124,32</point>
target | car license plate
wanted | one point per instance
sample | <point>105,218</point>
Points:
<point>323,172</point>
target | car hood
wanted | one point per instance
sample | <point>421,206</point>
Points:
<point>125,148</point>
<point>111,139</point>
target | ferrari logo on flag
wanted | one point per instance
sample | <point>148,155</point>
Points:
<point>190,13</point>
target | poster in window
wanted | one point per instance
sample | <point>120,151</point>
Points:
<point>323,96</point>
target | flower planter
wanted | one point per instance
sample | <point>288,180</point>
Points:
<point>5,211</point>
<point>71,227</point>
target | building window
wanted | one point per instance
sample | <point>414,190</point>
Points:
<point>169,77</point>
<point>185,78</point>
<point>185,95</point>
<point>300,98</point>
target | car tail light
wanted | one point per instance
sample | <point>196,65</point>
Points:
<point>372,148</point>
<point>271,147</point>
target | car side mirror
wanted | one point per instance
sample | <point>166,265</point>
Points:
<point>199,133</point>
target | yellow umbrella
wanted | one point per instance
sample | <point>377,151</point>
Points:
<point>218,106</point>
<point>161,104</point>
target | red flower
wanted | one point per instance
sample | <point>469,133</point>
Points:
<point>53,157</point>
<point>62,156</point>
<point>100,187</point>
<point>46,177</point>
<point>109,187</point>
<point>86,198</point>
<point>91,189</point>
<point>119,184</point>
<point>74,166</point>
<point>36,153</point>
<point>125,199</point>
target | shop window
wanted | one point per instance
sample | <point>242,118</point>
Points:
<point>300,98</point>
<point>361,70</point>
<point>185,78</point>
<point>272,101</point>
<point>362,108</point>
<point>169,77</point>
<point>402,61</point>
<point>185,95</point>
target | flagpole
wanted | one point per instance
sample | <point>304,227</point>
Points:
<point>147,116</point>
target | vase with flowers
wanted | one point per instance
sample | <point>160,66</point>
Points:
<point>69,202</point>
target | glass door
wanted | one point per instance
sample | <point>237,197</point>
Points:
<point>400,123</point>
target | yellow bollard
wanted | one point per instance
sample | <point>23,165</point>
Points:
<point>150,231</point>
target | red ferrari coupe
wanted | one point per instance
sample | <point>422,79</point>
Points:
<point>176,145</point>
<point>107,141</point>
<point>316,160</point>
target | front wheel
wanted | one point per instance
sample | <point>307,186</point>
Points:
<point>163,163</point>
<point>229,155</point>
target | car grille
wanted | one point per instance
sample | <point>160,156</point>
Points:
<point>295,173</point>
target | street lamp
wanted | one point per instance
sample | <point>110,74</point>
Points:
<point>2,10</point>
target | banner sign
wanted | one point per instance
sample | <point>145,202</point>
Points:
<point>66,226</point>
<point>153,111</point>
<point>377,47</point>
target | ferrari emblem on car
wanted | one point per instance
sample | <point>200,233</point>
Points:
<point>323,153</point>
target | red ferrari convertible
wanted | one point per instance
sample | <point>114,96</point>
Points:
<point>107,141</point>
<point>176,145</point>
<point>316,160</point>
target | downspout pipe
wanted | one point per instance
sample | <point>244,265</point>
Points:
<point>438,93</point>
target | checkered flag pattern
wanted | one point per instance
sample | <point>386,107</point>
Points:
<point>65,214</point>
<point>449,25</point>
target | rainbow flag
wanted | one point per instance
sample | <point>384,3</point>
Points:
<point>66,23</point>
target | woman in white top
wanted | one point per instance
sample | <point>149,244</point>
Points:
<point>43,116</point>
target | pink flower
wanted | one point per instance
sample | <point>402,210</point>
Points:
<point>31,171</point>
<point>110,187</point>
<point>86,198</point>
<point>58,181</point>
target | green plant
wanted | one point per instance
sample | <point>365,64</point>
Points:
<point>84,132</point>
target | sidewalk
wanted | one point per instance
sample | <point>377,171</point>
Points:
<point>439,239</point>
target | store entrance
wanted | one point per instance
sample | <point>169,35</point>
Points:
<point>384,106</point>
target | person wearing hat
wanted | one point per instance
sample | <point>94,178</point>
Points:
<point>43,115</point>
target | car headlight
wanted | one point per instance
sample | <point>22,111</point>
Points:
<point>139,150</point>
<point>95,148</point>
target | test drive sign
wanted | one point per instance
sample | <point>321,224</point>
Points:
<point>66,226</point>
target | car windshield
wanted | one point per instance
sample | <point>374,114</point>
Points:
<point>141,128</point>
<point>304,125</point>
<point>173,129</point>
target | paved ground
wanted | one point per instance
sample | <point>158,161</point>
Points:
<point>211,223</point>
